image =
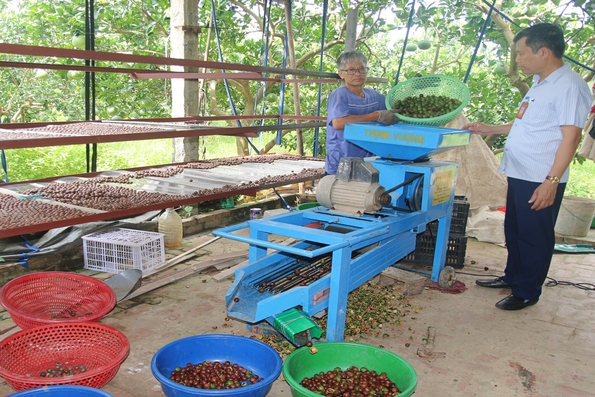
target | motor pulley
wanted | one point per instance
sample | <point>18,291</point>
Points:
<point>354,190</point>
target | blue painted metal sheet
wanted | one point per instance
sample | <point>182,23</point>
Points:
<point>387,236</point>
<point>405,141</point>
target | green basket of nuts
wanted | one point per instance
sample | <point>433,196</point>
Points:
<point>432,100</point>
<point>348,369</point>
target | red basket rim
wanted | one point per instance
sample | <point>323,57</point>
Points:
<point>117,361</point>
<point>19,280</point>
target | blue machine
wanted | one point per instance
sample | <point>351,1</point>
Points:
<point>370,214</point>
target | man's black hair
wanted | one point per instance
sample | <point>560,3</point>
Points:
<point>545,35</point>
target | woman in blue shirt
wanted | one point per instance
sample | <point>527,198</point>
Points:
<point>352,103</point>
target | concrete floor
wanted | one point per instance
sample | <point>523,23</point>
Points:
<point>547,350</point>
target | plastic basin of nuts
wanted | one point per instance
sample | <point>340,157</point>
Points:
<point>304,363</point>
<point>255,356</point>
<point>91,353</point>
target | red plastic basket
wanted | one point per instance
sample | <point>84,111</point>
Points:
<point>56,297</point>
<point>26,354</point>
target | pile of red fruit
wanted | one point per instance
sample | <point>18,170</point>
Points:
<point>214,375</point>
<point>353,382</point>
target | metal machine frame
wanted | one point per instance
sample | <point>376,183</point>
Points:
<point>359,246</point>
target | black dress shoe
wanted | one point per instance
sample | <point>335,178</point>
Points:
<point>512,302</point>
<point>492,283</point>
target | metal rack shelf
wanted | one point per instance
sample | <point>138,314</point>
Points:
<point>191,186</point>
<point>58,134</point>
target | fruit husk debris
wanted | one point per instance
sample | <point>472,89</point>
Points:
<point>372,310</point>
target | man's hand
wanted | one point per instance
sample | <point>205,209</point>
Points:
<point>478,128</point>
<point>543,196</point>
<point>387,117</point>
<point>486,129</point>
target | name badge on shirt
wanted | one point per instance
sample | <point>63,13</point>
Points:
<point>523,107</point>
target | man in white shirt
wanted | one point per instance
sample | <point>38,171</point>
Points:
<point>542,141</point>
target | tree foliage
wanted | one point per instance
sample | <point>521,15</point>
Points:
<point>121,26</point>
<point>249,33</point>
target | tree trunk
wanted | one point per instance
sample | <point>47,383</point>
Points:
<point>351,31</point>
<point>513,71</point>
<point>184,44</point>
<point>292,65</point>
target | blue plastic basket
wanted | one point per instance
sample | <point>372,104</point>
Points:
<point>62,391</point>
<point>255,356</point>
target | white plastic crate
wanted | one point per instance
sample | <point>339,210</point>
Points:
<point>116,250</point>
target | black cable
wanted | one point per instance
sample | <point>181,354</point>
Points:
<point>550,283</point>
<point>584,286</point>
<point>478,275</point>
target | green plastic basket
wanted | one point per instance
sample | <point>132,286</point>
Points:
<point>432,84</point>
<point>302,364</point>
<point>305,206</point>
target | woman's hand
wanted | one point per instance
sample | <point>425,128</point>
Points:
<point>387,117</point>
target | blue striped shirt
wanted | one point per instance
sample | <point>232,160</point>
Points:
<point>341,103</point>
<point>563,98</point>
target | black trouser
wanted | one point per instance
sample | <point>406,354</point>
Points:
<point>530,238</point>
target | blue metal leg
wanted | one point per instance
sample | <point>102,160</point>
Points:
<point>256,252</point>
<point>337,304</point>
<point>441,247</point>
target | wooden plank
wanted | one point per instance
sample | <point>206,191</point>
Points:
<point>226,265</point>
<point>227,273</point>
<point>411,283</point>
<point>180,258</point>
<point>8,328</point>
<point>187,271</point>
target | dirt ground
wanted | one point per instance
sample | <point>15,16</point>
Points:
<point>546,350</point>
